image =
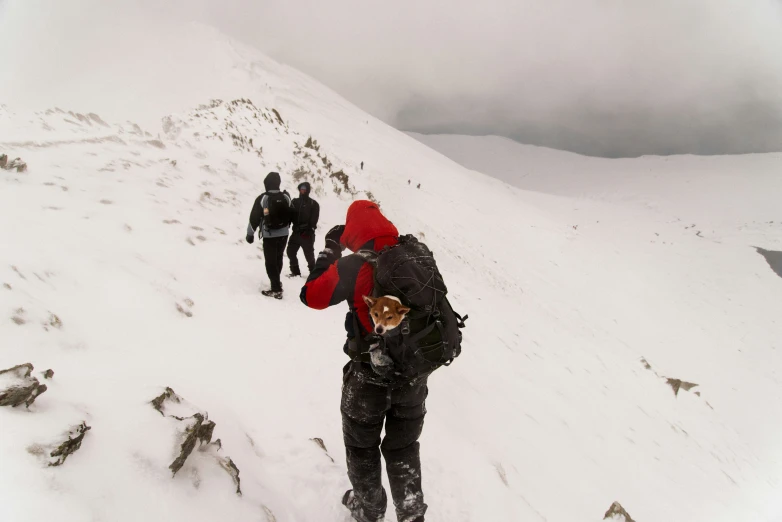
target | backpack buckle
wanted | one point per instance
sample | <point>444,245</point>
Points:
<point>405,328</point>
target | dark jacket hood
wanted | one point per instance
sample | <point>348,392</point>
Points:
<point>272,181</point>
<point>364,223</point>
<point>306,186</point>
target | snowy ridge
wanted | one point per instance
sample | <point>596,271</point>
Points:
<point>561,404</point>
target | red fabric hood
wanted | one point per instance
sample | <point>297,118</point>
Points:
<point>363,223</point>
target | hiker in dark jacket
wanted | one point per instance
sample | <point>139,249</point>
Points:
<point>305,212</point>
<point>271,213</point>
<point>366,401</point>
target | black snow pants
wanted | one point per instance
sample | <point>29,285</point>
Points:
<point>365,405</point>
<point>273,254</point>
<point>307,244</point>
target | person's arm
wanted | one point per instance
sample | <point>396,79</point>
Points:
<point>256,218</point>
<point>314,216</point>
<point>329,282</point>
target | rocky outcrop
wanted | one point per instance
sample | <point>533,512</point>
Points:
<point>678,384</point>
<point>198,429</point>
<point>15,164</point>
<point>17,386</point>
<point>617,513</point>
<point>675,384</point>
<point>228,465</point>
<point>773,258</point>
<point>195,434</point>
<point>69,446</point>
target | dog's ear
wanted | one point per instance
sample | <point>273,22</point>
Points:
<point>370,301</point>
<point>403,310</point>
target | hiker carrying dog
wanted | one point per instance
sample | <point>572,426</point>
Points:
<point>386,379</point>
<point>271,213</point>
<point>305,212</point>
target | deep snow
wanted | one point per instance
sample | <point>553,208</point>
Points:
<point>133,237</point>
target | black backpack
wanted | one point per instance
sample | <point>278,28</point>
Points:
<point>430,335</point>
<point>279,215</point>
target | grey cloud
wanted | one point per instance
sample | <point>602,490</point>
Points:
<point>600,77</point>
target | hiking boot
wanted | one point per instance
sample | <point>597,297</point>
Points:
<point>350,501</point>
<point>272,293</point>
<point>294,274</point>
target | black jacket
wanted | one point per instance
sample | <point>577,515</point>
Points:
<point>272,185</point>
<point>305,211</point>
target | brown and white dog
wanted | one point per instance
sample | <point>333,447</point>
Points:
<point>386,312</point>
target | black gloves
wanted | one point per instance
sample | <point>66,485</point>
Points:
<point>250,239</point>
<point>334,238</point>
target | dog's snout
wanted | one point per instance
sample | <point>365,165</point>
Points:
<point>379,330</point>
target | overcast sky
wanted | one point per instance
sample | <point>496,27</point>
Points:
<point>602,77</point>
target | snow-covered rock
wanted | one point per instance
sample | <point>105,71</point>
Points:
<point>18,386</point>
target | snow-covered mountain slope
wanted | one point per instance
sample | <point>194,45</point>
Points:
<point>124,269</point>
<point>730,189</point>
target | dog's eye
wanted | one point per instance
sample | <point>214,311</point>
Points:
<point>374,314</point>
<point>389,318</point>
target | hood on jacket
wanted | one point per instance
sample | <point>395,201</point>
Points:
<point>306,186</point>
<point>364,223</point>
<point>272,181</point>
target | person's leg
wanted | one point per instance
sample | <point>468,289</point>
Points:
<point>269,257</point>
<point>308,246</point>
<point>273,252</point>
<point>363,409</point>
<point>293,250</point>
<point>404,424</point>
<point>281,242</point>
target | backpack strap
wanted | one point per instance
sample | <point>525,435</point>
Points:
<point>370,256</point>
<point>459,319</point>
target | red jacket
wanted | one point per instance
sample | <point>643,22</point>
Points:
<point>335,278</point>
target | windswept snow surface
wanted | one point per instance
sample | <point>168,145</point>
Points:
<point>133,237</point>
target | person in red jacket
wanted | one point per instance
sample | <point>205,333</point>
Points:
<point>367,399</point>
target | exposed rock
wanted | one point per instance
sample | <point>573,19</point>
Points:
<point>54,321</point>
<point>70,446</point>
<point>322,445</point>
<point>168,395</point>
<point>342,183</point>
<point>277,115</point>
<point>773,258</point>
<point>48,374</point>
<point>197,433</point>
<point>371,197</point>
<point>17,386</point>
<point>617,513</point>
<point>229,466</point>
<point>97,119</point>
<point>677,384</point>
<point>199,429</point>
<point>18,164</point>
<point>15,164</point>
